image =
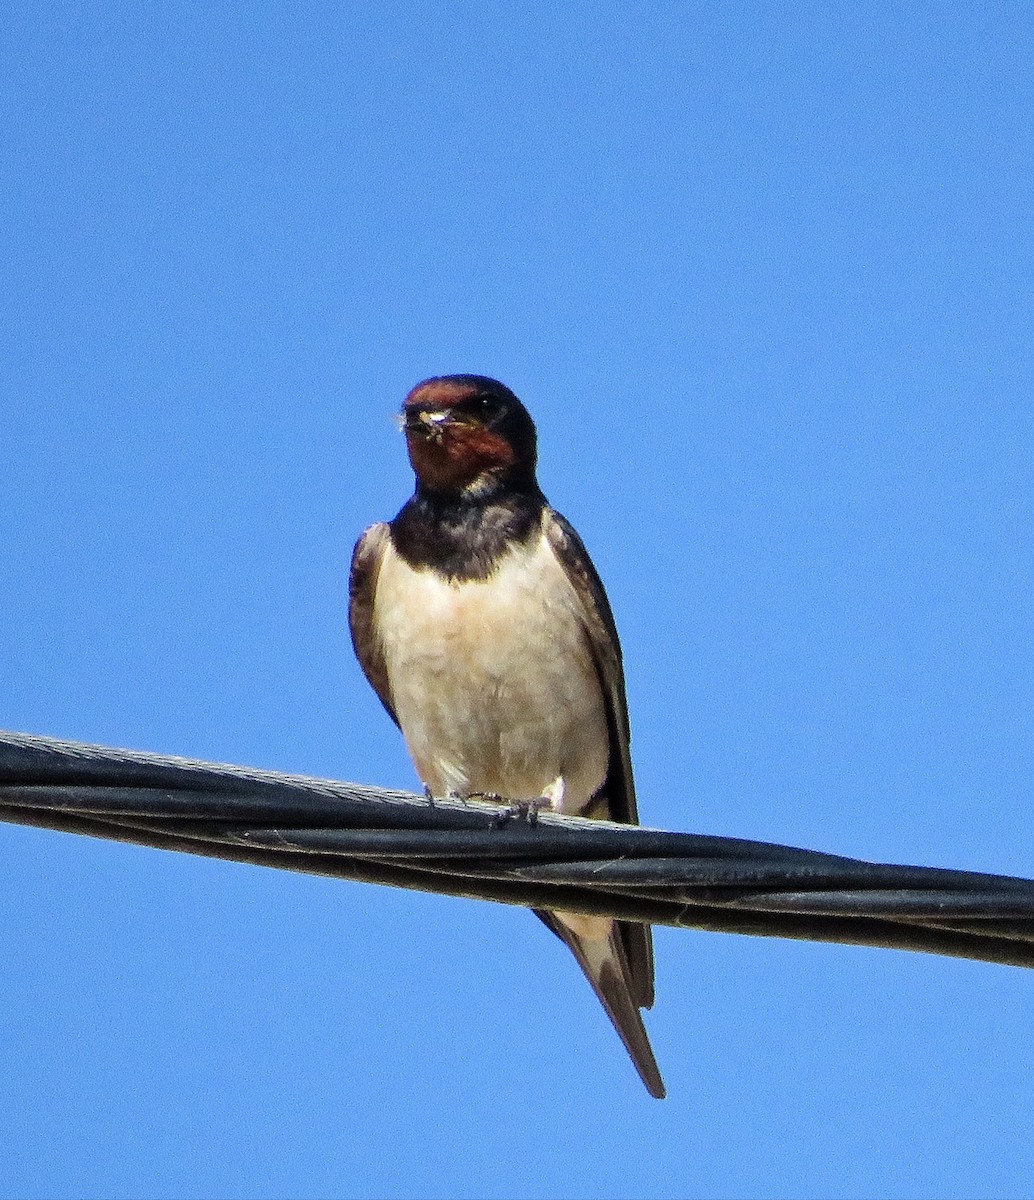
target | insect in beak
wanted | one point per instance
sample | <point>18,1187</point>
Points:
<point>426,424</point>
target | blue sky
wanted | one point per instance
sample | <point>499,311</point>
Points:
<point>763,276</point>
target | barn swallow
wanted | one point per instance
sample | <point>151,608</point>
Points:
<point>482,625</point>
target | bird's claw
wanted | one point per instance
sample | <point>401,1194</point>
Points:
<point>522,810</point>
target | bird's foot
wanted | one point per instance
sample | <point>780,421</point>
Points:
<point>532,808</point>
<point>428,794</point>
<point>505,813</point>
<point>522,810</point>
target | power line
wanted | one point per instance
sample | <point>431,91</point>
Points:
<point>375,835</point>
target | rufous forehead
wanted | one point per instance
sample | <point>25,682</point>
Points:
<point>439,393</point>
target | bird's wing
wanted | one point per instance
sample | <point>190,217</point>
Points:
<point>598,622</point>
<point>617,795</point>
<point>362,592</point>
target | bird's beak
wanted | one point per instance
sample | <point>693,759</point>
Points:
<point>425,423</point>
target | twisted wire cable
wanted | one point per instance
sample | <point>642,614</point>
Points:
<point>470,848</point>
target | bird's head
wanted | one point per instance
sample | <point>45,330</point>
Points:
<point>468,435</point>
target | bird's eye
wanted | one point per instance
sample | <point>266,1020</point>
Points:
<point>487,406</point>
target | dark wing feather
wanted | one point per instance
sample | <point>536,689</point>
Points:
<point>618,791</point>
<point>362,592</point>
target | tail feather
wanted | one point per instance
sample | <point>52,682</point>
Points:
<point>637,943</point>
<point>620,987</point>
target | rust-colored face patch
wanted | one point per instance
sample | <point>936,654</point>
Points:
<point>452,454</point>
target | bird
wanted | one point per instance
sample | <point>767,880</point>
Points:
<point>482,625</point>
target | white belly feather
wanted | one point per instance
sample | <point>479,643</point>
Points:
<point>493,681</point>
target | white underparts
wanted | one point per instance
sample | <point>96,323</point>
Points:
<point>493,681</point>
